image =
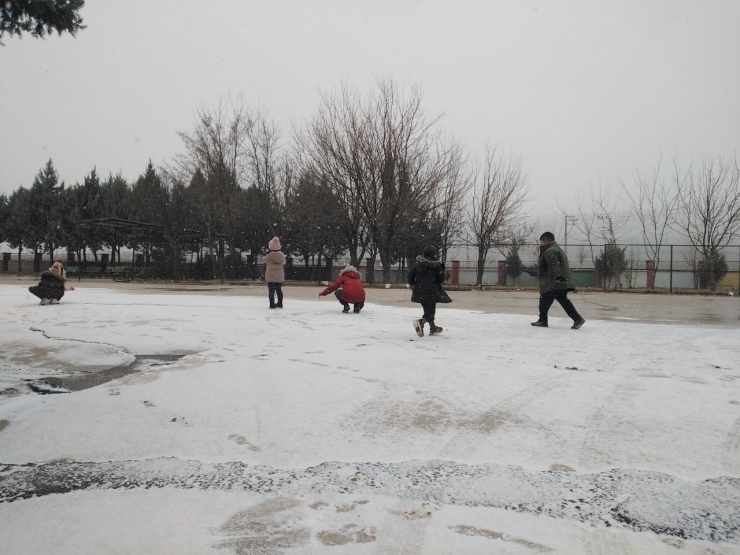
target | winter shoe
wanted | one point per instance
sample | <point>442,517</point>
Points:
<point>279,305</point>
<point>435,330</point>
<point>539,324</point>
<point>357,310</point>
<point>577,324</point>
<point>54,301</point>
<point>273,306</point>
<point>44,302</point>
<point>419,327</point>
<point>345,310</point>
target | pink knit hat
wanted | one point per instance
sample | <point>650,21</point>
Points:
<point>274,244</point>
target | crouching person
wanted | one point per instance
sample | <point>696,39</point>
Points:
<point>348,289</point>
<point>51,287</point>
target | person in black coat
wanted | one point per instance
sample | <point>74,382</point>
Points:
<point>555,282</point>
<point>51,287</point>
<point>426,279</point>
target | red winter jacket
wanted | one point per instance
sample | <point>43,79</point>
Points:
<point>351,284</point>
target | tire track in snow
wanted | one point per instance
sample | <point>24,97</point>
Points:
<point>465,444</point>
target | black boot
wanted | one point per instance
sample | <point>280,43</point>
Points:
<point>345,310</point>
<point>357,309</point>
<point>577,324</point>
<point>539,324</point>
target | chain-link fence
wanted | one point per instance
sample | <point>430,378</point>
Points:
<point>605,267</point>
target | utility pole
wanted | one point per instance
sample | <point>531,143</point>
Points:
<point>572,220</point>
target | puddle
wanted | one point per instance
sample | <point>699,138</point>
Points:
<point>86,380</point>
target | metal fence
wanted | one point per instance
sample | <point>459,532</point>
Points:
<point>670,267</point>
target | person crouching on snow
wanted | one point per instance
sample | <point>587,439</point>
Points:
<point>274,272</point>
<point>51,287</point>
<point>348,289</point>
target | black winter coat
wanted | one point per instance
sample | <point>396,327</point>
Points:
<point>554,271</point>
<point>426,279</point>
<point>51,286</point>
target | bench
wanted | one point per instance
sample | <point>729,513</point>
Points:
<point>124,275</point>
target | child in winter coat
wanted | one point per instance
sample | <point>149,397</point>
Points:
<point>426,279</point>
<point>274,273</point>
<point>348,289</point>
<point>51,287</point>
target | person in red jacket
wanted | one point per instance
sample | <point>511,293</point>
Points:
<point>348,289</point>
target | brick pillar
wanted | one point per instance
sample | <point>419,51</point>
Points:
<point>455,272</point>
<point>650,267</point>
<point>502,272</point>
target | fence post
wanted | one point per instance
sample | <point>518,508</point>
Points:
<point>455,272</point>
<point>501,272</point>
<point>650,267</point>
<point>671,272</point>
<point>605,266</point>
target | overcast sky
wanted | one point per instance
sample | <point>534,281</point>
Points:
<point>582,91</point>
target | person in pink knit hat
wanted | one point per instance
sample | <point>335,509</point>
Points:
<point>51,287</point>
<point>274,273</point>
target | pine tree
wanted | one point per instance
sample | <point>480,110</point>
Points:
<point>40,17</point>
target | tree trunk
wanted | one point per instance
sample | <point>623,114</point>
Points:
<point>20,250</point>
<point>482,252</point>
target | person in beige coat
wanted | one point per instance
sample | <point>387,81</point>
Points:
<point>274,273</point>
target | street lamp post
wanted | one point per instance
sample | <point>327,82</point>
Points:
<point>572,220</point>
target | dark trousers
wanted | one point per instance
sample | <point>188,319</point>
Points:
<point>273,288</point>
<point>430,309</point>
<point>338,295</point>
<point>546,300</point>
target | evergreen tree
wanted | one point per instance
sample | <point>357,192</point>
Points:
<point>4,216</point>
<point>87,205</point>
<point>15,225</point>
<point>712,269</point>
<point>45,200</point>
<point>114,202</point>
<point>612,263</point>
<point>40,17</point>
<point>514,266</point>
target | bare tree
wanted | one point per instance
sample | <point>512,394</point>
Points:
<point>499,192</point>
<point>709,207</point>
<point>408,163</point>
<point>451,201</point>
<point>654,201</point>
<point>329,150</point>
<point>269,172</point>
<point>216,147</point>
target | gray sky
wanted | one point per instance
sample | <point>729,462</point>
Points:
<point>582,90</point>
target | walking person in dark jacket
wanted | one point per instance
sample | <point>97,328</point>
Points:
<point>555,282</point>
<point>426,279</point>
<point>348,289</point>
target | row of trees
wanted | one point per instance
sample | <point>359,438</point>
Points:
<point>699,201</point>
<point>368,175</point>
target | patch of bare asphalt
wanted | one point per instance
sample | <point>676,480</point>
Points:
<point>627,499</point>
<point>85,380</point>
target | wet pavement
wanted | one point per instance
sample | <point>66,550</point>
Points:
<point>679,309</point>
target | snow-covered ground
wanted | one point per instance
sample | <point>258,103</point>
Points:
<point>305,430</point>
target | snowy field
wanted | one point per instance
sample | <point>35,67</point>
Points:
<point>305,430</point>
